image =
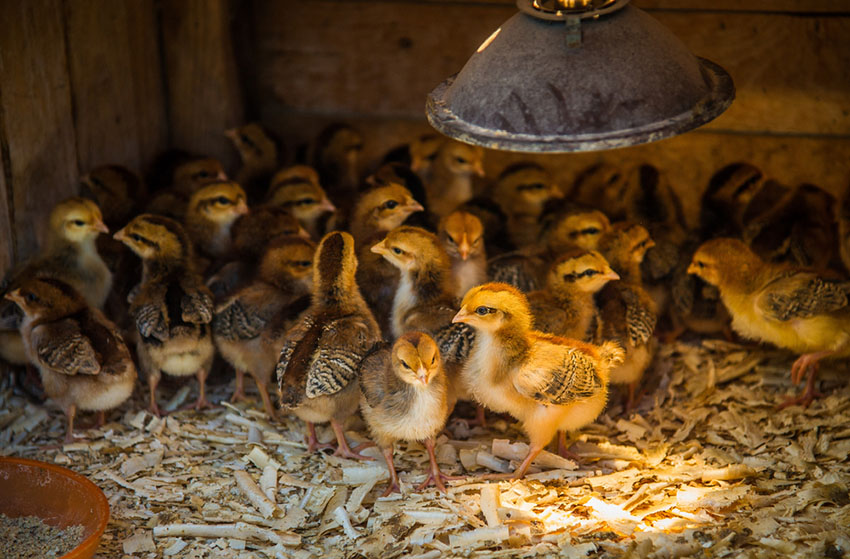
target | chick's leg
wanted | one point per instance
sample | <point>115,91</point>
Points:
<point>313,443</point>
<point>70,413</point>
<point>393,486</point>
<point>343,449</point>
<point>564,446</point>
<point>239,391</point>
<point>808,362</point>
<point>519,473</point>
<point>202,401</point>
<point>267,401</point>
<point>153,381</point>
<point>435,477</point>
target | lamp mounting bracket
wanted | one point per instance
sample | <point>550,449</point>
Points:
<point>560,10</point>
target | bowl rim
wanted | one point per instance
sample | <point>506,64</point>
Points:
<point>101,504</point>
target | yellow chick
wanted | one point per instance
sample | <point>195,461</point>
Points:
<point>450,183</point>
<point>787,306</point>
<point>566,306</point>
<point>317,369</point>
<point>269,303</point>
<point>305,200</point>
<point>212,211</point>
<point>172,308</point>
<point>522,191</point>
<point>628,312</point>
<point>462,236</point>
<point>83,361</point>
<point>403,397</point>
<point>548,383</point>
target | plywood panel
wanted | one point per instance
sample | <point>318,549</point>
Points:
<point>384,57</point>
<point>204,95</point>
<point>689,160</point>
<point>38,119</point>
<point>7,231</point>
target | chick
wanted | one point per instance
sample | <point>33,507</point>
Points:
<point>171,307</point>
<point>462,236</point>
<point>602,186</point>
<point>259,156</point>
<point>729,193</point>
<point>305,200</point>
<point>788,306</point>
<point>844,231</point>
<point>628,312</point>
<point>379,210</point>
<point>522,191</point>
<point>294,174</point>
<point>548,383</point>
<point>273,300</point>
<point>425,297</point>
<point>450,183</point>
<point>397,173</point>
<point>83,361</point>
<point>337,159</point>
<point>115,189</point>
<point>186,178</point>
<point>573,227</point>
<point>695,305</point>
<point>212,211</point>
<point>404,391</point>
<point>317,369</point>
<point>566,306</point>
<point>418,155</point>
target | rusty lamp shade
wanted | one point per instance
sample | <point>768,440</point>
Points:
<point>603,76</point>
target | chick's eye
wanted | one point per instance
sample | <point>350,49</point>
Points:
<point>78,222</point>
<point>397,250</point>
<point>482,310</point>
<point>304,263</point>
<point>461,160</point>
<point>590,231</point>
<point>390,204</point>
<point>306,201</point>
<point>30,297</point>
<point>201,175</point>
<point>224,201</point>
<point>136,237</point>
<point>406,366</point>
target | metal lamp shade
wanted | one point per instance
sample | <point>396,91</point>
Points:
<point>630,81</point>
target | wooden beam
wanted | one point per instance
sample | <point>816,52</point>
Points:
<point>204,94</point>
<point>37,116</point>
<point>383,57</point>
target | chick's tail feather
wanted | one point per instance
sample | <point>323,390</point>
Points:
<point>611,354</point>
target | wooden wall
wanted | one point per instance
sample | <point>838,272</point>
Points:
<point>90,82</point>
<point>374,62</point>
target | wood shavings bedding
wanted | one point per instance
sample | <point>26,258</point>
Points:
<point>704,468</point>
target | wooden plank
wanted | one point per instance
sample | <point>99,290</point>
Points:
<point>798,6</point>
<point>204,96</point>
<point>689,160</point>
<point>384,57</point>
<point>7,219</point>
<point>38,119</point>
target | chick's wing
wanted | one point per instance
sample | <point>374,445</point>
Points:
<point>343,344</point>
<point>802,295</point>
<point>558,375</point>
<point>373,369</point>
<point>64,349</point>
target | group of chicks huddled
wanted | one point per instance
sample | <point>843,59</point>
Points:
<point>419,286</point>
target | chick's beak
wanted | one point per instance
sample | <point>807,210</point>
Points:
<point>692,269</point>
<point>479,169</point>
<point>241,208</point>
<point>379,248</point>
<point>611,275</point>
<point>422,375</point>
<point>462,316</point>
<point>231,133</point>
<point>14,296</point>
<point>303,234</point>
<point>327,205</point>
<point>221,176</point>
<point>463,247</point>
<point>99,225</point>
<point>120,235</point>
<point>414,206</point>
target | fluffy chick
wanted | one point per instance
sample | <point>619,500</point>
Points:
<point>450,183</point>
<point>212,211</point>
<point>566,306</point>
<point>83,361</point>
<point>602,186</point>
<point>305,200</point>
<point>171,307</point>
<point>573,227</point>
<point>186,178</point>
<point>259,156</point>
<point>404,397</point>
<point>337,159</point>
<point>269,303</point>
<point>317,369</point>
<point>522,191</point>
<point>115,189</point>
<point>462,236</point>
<point>628,312</point>
<point>548,383</point>
<point>788,306</point>
<point>725,201</point>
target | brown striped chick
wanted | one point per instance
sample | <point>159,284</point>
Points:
<point>548,383</point>
<point>566,306</point>
<point>522,191</point>
<point>602,186</point>
<point>171,307</point>
<point>337,159</point>
<point>789,306</point>
<point>116,190</point>
<point>70,254</point>
<point>378,211</point>
<point>83,361</point>
<point>317,368</point>
<point>843,218</point>
<point>271,302</point>
<point>725,201</point>
<point>450,183</point>
<point>404,398</point>
<point>695,305</point>
<point>251,234</point>
<point>574,228</point>
<point>259,156</point>
<point>462,237</point>
<point>627,311</point>
<point>294,174</point>
<point>305,200</point>
<point>212,211</point>
<point>187,178</point>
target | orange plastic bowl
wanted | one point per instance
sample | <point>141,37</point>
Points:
<point>58,496</point>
